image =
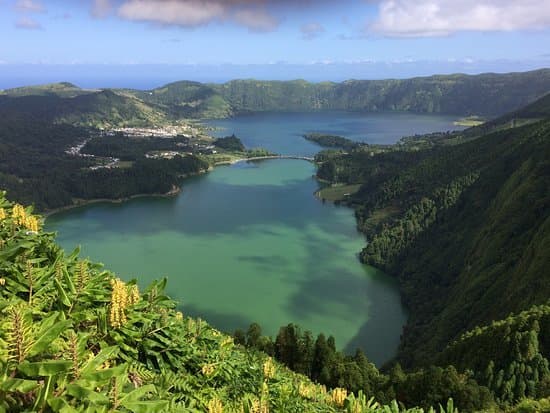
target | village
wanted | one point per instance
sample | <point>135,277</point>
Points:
<point>190,140</point>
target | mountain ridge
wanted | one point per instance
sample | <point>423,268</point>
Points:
<point>486,94</point>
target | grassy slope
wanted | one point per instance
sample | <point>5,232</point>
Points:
<point>98,109</point>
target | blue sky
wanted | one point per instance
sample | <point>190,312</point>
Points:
<point>316,39</point>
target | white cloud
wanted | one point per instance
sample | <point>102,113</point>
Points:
<point>28,24</point>
<point>252,14</point>
<point>101,8</point>
<point>172,12</point>
<point>416,18</point>
<point>311,30</point>
<point>29,6</point>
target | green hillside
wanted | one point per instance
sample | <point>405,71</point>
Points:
<point>62,89</point>
<point>75,338</point>
<point>186,99</point>
<point>465,228</point>
<point>103,109</point>
<point>509,356</point>
<point>486,94</point>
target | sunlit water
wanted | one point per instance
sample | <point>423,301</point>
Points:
<point>250,243</point>
<point>282,132</point>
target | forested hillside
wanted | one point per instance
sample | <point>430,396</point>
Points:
<point>465,228</point>
<point>487,94</point>
<point>508,356</point>
<point>35,168</point>
<point>100,109</point>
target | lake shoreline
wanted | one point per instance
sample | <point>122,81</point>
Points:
<point>84,202</point>
<point>175,191</point>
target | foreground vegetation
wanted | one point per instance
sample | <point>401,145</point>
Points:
<point>75,338</point>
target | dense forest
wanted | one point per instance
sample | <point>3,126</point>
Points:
<point>318,359</point>
<point>35,169</point>
<point>466,230</point>
<point>492,366</point>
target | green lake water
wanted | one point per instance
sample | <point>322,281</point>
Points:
<point>250,243</point>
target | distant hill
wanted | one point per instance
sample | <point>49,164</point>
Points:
<point>487,95</point>
<point>62,89</point>
<point>533,112</point>
<point>186,99</point>
<point>103,109</point>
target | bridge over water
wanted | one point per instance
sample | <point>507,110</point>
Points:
<point>259,158</point>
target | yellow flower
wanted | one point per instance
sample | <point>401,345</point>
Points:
<point>2,214</point>
<point>31,222</point>
<point>307,391</point>
<point>119,302</point>
<point>208,369</point>
<point>2,282</point>
<point>18,214</point>
<point>259,406</point>
<point>215,406</point>
<point>179,316</point>
<point>338,396</point>
<point>133,294</point>
<point>269,368</point>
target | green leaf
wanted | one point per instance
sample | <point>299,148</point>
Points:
<point>44,368</point>
<point>146,406</point>
<point>104,375</point>
<point>83,394</point>
<point>60,405</point>
<point>20,385</point>
<point>48,334</point>
<point>44,394</point>
<point>62,294</point>
<point>101,357</point>
<point>138,393</point>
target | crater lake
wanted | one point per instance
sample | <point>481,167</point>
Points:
<point>250,242</point>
